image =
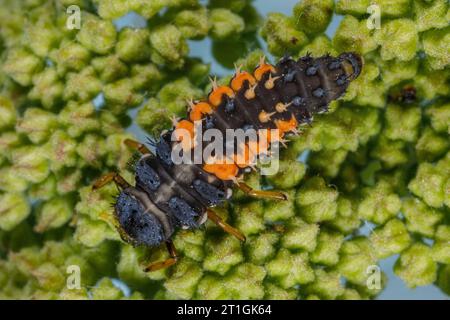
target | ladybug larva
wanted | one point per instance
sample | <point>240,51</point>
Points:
<point>169,195</point>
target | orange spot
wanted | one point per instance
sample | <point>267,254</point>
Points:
<point>239,79</point>
<point>199,110</point>
<point>222,171</point>
<point>245,156</point>
<point>262,69</point>
<point>180,135</point>
<point>215,97</point>
<point>286,125</point>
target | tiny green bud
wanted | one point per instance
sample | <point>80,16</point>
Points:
<point>225,23</point>
<point>133,45</point>
<point>313,16</point>
<point>416,266</point>
<point>390,239</point>
<point>37,124</point>
<point>221,253</point>
<point>97,35</point>
<point>398,40</point>
<point>14,208</point>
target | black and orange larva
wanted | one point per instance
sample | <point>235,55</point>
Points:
<point>168,196</point>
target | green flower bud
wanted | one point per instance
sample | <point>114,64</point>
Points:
<point>245,282</point>
<point>390,239</point>
<point>193,24</point>
<point>356,256</point>
<point>262,247</point>
<point>391,153</point>
<point>10,182</point>
<point>407,129</point>
<point>290,269</point>
<point>233,5</point>
<point>121,95</point>
<point>319,46</point>
<point>8,112</point>
<point>300,235</point>
<point>289,174</point>
<point>78,118</point>
<point>352,7</point>
<point>347,219</point>
<point>169,46</point>
<point>431,83</point>
<point>113,9</point>
<point>105,290</point>
<point>317,201</point>
<point>109,68</point>
<point>397,8</point>
<point>327,249</point>
<point>280,210</point>
<point>174,94</point>
<point>47,88</point>
<point>379,203</point>
<point>420,218</point>
<point>225,23</point>
<point>82,86</point>
<point>210,288</point>
<point>394,72</point>
<point>61,151</point>
<point>37,124</point>
<point>49,277</point>
<point>443,281</point>
<point>431,145</point>
<point>430,14</point>
<point>54,214</point>
<point>222,253</point>
<point>21,66</point>
<point>250,218</point>
<point>41,37</point>
<point>93,232</point>
<point>353,35</point>
<point>436,46</point>
<point>440,117</point>
<point>73,294</point>
<point>183,281</point>
<point>274,292</point>
<point>30,163</point>
<point>416,267</point>
<point>328,162</point>
<point>350,294</point>
<point>146,77</point>
<point>327,285</point>
<point>153,118</point>
<point>70,56</point>
<point>398,40</point>
<point>190,243</point>
<point>367,90</point>
<point>281,34</point>
<point>14,208</point>
<point>97,35</point>
<point>313,16</point>
<point>133,45</point>
<point>92,150</point>
<point>429,184</point>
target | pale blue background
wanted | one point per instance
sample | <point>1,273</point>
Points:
<point>395,289</point>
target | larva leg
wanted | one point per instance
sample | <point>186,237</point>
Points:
<point>225,226</point>
<point>275,195</point>
<point>166,263</point>
<point>109,177</point>
<point>137,145</point>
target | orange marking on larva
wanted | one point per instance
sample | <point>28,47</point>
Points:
<point>239,79</point>
<point>215,97</point>
<point>265,117</point>
<point>245,157</point>
<point>282,107</point>
<point>270,83</point>
<point>199,110</point>
<point>250,93</point>
<point>286,125</point>
<point>189,127</point>
<point>263,69</point>
<point>223,171</point>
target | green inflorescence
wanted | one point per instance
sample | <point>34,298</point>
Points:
<point>372,162</point>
